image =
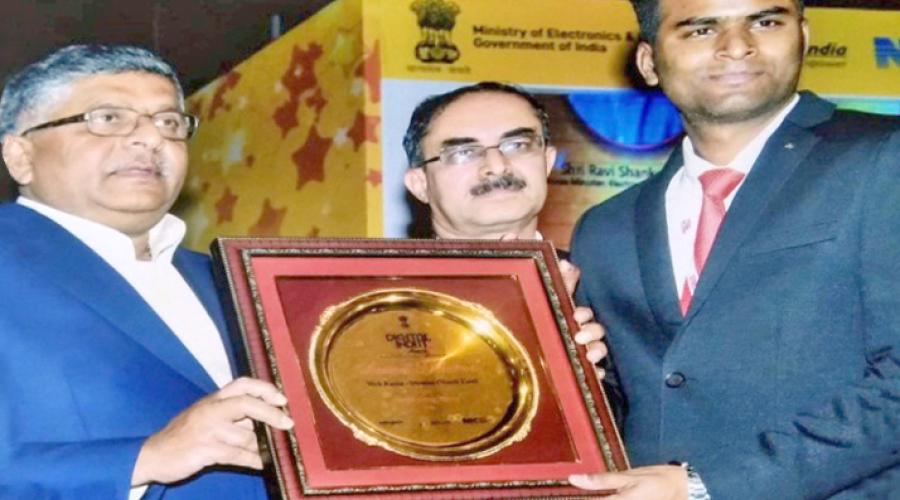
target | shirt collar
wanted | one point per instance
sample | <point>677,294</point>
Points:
<point>694,165</point>
<point>109,243</point>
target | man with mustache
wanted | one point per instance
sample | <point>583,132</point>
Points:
<point>749,290</point>
<point>116,374</point>
<point>479,158</point>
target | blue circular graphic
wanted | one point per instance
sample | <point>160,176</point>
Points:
<point>629,119</point>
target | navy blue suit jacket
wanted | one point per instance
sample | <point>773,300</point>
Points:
<point>88,371</point>
<point>783,379</point>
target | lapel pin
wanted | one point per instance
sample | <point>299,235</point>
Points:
<point>789,145</point>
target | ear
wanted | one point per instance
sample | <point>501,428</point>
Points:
<point>644,59</point>
<point>550,158</point>
<point>17,154</point>
<point>417,183</point>
<point>804,28</point>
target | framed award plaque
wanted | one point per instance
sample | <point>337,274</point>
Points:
<point>417,368</point>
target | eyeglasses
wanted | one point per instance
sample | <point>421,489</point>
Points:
<point>112,121</point>
<point>511,148</point>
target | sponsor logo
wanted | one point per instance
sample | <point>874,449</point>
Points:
<point>829,54</point>
<point>886,51</point>
<point>830,49</point>
<point>436,19</point>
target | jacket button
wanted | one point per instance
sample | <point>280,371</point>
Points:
<point>675,379</point>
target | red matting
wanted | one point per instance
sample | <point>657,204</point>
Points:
<point>280,288</point>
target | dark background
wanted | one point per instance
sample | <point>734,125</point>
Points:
<point>201,38</point>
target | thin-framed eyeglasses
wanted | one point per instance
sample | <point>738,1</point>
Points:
<point>114,121</point>
<point>512,148</point>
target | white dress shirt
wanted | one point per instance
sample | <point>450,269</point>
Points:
<point>684,198</point>
<point>157,282</point>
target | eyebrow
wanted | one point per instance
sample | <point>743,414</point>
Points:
<point>457,141</point>
<point>518,132</point>
<point>461,141</point>
<point>774,11</point>
<point>710,21</point>
<point>110,104</point>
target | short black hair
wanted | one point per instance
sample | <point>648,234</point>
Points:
<point>649,17</point>
<point>431,107</point>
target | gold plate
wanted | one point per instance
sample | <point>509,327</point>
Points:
<point>424,374</point>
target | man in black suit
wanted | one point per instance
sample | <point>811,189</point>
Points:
<point>749,290</point>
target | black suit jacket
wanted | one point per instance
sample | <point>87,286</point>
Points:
<point>783,379</point>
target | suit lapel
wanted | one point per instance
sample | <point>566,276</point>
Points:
<point>199,279</point>
<point>56,256</point>
<point>783,153</point>
<point>654,256</point>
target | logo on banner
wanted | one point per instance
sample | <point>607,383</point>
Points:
<point>828,54</point>
<point>436,20</point>
<point>886,51</point>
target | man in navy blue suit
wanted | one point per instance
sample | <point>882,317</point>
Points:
<point>750,289</point>
<point>116,378</point>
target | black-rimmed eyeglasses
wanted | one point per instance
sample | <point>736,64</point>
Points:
<point>113,121</point>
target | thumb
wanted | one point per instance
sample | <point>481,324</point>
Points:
<point>609,481</point>
<point>570,275</point>
<point>509,237</point>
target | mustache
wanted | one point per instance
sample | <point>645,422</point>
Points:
<point>505,181</point>
<point>144,162</point>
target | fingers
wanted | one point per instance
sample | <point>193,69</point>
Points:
<point>238,437</point>
<point>238,456</point>
<point>643,483</point>
<point>255,399</point>
<point>610,481</point>
<point>217,429</point>
<point>253,387</point>
<point>236,445</point>
<point>595,352</point>
<point>591,332</point>
<point>240,407</point>
<point>583,315</point>
<point>245,423</point>
<point>591,335</point>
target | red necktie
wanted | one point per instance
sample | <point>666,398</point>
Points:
<point>717,185</point>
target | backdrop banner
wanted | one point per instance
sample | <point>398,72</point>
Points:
<point>305,137</point>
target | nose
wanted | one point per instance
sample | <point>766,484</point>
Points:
<point>736,43</point>
<point>146,134</point>
<point>494,162</point>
